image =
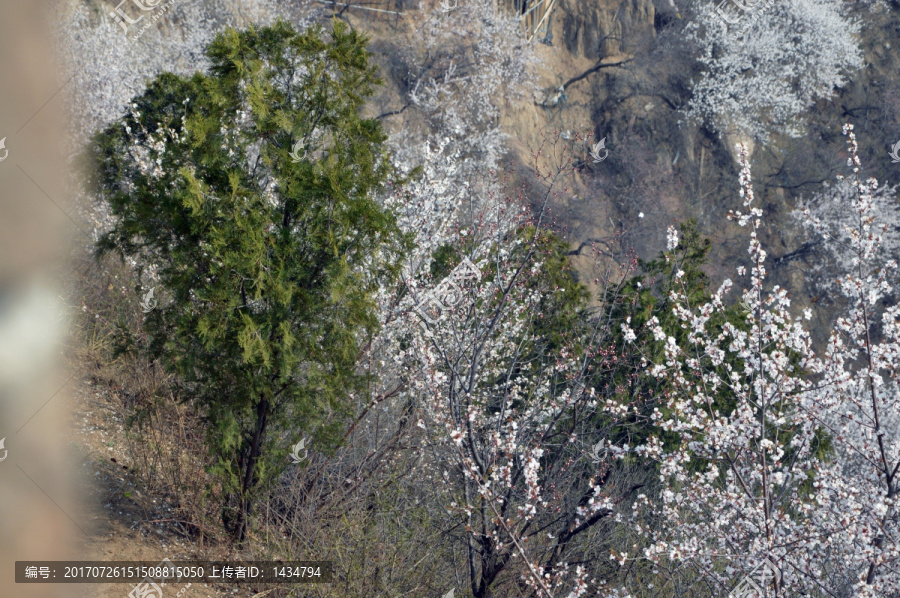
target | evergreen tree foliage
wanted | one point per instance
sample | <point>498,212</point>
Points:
<point>250,192</point>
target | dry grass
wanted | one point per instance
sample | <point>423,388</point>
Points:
<point>163,437</point>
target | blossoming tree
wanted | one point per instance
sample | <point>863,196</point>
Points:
<point>798,479</point>
<point>790,54</point>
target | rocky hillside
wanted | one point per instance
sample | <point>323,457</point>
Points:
<point>628,69</point>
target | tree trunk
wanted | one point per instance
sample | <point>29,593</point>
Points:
<point>245,508</point>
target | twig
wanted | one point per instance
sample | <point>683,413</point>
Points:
<point>393,12</point>
<point>392,112</point>
<point>600,64</point>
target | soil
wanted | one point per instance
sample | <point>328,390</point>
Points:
<point>125,523</point>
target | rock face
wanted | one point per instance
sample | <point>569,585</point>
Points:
<point>599,28</point>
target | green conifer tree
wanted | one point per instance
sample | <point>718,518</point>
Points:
<point>251,190</point>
